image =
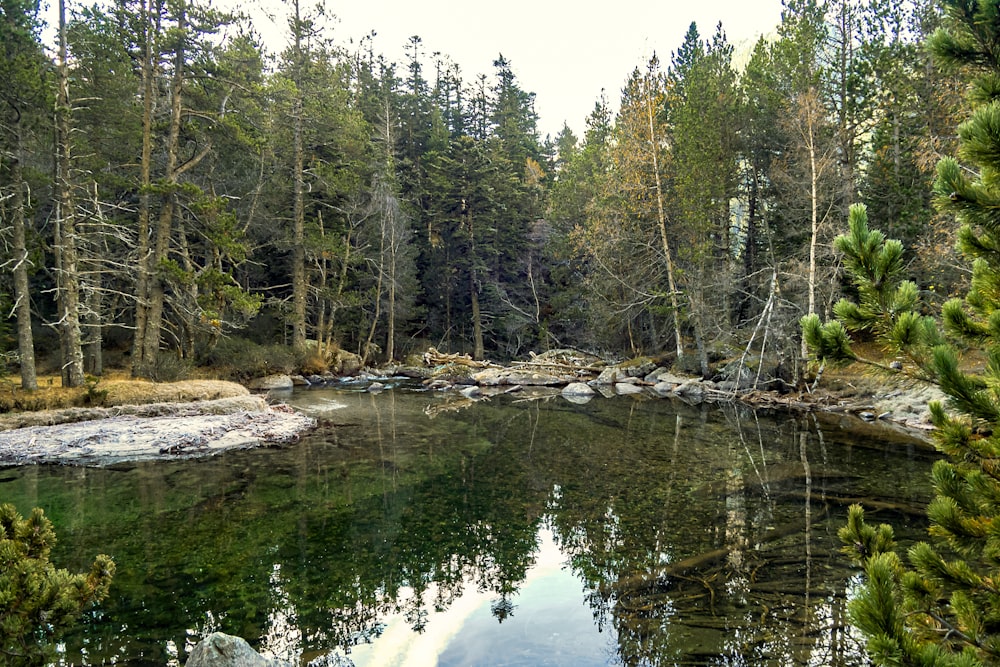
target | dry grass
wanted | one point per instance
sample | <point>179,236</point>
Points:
<point>114,388</point>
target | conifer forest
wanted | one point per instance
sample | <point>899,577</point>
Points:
<point>174,193</point>
<point>169,187</point>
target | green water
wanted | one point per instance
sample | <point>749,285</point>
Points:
<point>416,529</point>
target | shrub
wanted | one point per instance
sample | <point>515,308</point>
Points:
<point>240,359</point>
<point>38,601</point>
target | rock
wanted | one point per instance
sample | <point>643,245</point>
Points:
<point>471,391</point>
<point>577,389</point>
<point>627,389</point>
<point>272,382</point>
<point>222,650</point>
<point>608,376</point>
<point>316,379</point>
<point>375,387</point>
<point>664,388</point>
<point>639,367</point>
<point>300,381</point>
<point>654,377</point>
<point>492,377</point>
<point>691,389</point>
<point>438,384</point>
<point>346,363</point>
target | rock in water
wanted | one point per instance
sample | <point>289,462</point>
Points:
<point>222,650</point>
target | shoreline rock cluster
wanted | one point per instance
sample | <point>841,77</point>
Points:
<point>579,377</point>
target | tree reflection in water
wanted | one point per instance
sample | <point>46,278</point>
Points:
<point>694,535</point>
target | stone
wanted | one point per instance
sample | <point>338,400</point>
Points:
<point>346,363</point>
<point>664,388</point>
<point>375,387</point>
<point>691,389</point>
<point>222,650</point>
<point>270,382</point>
<point>492,377</point>
<point>300,381</point>
<point>438,384</point>
<point>654,377</point>
<point>471,391</point>
<point>577,389</point>
<point>627,389</point>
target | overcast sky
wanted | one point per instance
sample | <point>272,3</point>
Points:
<point>564,52</point>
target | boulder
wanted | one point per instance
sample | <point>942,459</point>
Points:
<point>222,650</point>
<point>375,387</point>
<point>270,382</point>
<point>577,389</point>
<point>627,389</point>
<point>639,367</point>
<point>471,391</point>
<point>664,388</point>
<point>492,377</point>
<point>300,381</point>
<point>346,363</point>
<point>693,389</point>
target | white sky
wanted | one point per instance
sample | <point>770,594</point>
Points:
<point>564,52</point>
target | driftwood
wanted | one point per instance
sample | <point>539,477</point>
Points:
<point>434,358</point>
<point>653,580</point>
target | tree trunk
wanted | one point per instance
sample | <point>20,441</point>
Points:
<point>69,282</point>
<point>22,293</point>
<point>165,221</point>
<point>143,256</point>
<point>93,359</point>
<point>662,226</point>
<point>477,322</point>
<point>299,285</point>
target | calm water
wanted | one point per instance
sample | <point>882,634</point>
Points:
<point>418,529</point>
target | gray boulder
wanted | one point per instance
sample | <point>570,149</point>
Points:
<point>492,377</point>
<point>577,389</point>
<point>222,650</point>
<point>270,382</point>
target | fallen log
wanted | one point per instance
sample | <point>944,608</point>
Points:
<point>652,580</point>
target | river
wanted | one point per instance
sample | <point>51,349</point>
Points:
<point>423,529</point>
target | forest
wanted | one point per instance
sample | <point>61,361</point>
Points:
<point>173,192</point>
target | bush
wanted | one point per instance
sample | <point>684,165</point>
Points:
<point>239,359</point>
<point>166,367</point>
<point>37,601</point>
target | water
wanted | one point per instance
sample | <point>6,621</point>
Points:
<point>423,529</point>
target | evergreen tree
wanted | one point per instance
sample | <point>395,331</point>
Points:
<point>38,601</point>
<point>23,68</point>
<point>942,607</point>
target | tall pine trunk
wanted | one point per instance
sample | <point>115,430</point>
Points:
<point>299,284</point>
<point>66,245</point>
<point>144,258</point>
<point>165,221</point>
<point>661,219</point>
<point>22,293</point>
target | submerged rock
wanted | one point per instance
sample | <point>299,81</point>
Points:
<point>222,650</point>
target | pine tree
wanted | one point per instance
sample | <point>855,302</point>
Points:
<point>38,601</point>
<point>941,606</point>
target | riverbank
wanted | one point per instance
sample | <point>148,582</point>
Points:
<point>139,420</point>
<point>144,420</point>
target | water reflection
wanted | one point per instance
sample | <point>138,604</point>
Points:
<point>619,532</point>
